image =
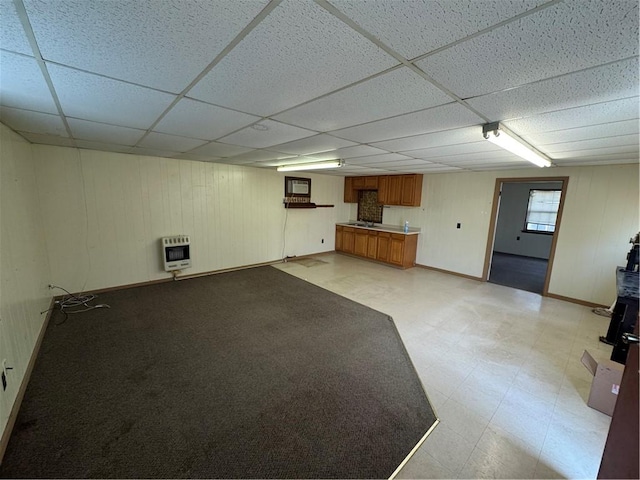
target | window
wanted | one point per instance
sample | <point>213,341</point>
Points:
<point>542,211</point>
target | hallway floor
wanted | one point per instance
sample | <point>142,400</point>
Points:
<point>501,366</point>
<point>517,271</point>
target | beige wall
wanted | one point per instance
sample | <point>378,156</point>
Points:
<point>601,213</point>
<point>104,213</point>
<point>86,220</point>
<point>24,267</point>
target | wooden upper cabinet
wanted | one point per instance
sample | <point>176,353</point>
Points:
<point>370,183</point>
<point>403,190</point>
<point>411,190</point>
<point>395,189</point>
<point>350,194</point>
<point>383,190</point>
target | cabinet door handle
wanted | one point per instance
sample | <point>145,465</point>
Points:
<point>630,338</point>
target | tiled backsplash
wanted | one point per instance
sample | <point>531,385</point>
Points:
<point>368,208</point>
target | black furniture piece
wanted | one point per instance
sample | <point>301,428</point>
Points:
<point>625,313</point>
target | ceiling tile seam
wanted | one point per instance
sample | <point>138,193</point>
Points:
<point>337,90</point>
<point>372,38</point>
<point>570,108</point>
<point>109,77</point>
<point>218,139</point>
<point>333,132</point>
<point>592,138</point>
<point>204,102</point>
<point>237,39</point>
<point>586,139</point>
<point>28,31</point>
<point>20,54</point>
<point>487,29</point>
<point>554,77</point>
<point>577,128</point>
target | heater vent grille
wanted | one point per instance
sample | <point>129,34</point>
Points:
<point>176,252</point>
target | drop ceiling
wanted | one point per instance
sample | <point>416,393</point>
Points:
<point>389,86</point>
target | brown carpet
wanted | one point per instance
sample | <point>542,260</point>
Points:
<point>247,374</point>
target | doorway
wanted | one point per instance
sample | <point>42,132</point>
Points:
<point>525,223</point>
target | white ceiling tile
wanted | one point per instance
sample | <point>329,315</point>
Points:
<point>434,119</point>
<point>201,120</point>
<point>151,152</point>
<point>496,156</point>
<point>299,52</point>
<point>357,170</point>
<point>12,36</point>
<point>266,134</point>
<point>435,168</point>
<point>596,85</point>
<point>414,27</point>
<point>601,160</point>
<point>23,85</point>
<point>255,156</point>
<point>359,151</point>
<point>388,157</point>
<point>569,36</point>
<point>168,42</point>
<point>33,122</point>
<point>310,145</point>
<point>173,143</point>
<point>597,152</point>
<point>91,97</point>
<point>399,91</point>
<point>99,132</point>
<point>625,127</point>
<point>460,149</point>
<point>221,150</point>
<point>350,152</point>
<point>619,140</point>
<point>615,111</point>
<point>436,139</point>
<point>197,158</point>
<point>501,166</point>
<point>103,147</point>
<point>288,161</point>
<point>396,164</point>
<point>48,139</point>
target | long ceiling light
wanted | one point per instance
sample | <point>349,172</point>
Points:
<point>294,167</point>
<point>499,135</point>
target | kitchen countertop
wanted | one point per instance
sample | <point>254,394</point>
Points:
<point>381,227</point>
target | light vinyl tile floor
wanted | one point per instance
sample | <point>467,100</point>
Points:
<point>501,367</point>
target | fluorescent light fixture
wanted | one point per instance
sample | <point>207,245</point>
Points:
<point>294,167</point>
<point>499,135</point>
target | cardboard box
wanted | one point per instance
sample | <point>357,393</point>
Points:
<point>606,383</point>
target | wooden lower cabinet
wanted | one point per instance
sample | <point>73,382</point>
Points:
<point>348,239</point>
<point>396,249</point>
<point>384,242</point>
<point>392,248</point>
<point>360,242</point>
<point>372,245</point>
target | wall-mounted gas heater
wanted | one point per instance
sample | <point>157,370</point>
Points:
<point>175,251</point>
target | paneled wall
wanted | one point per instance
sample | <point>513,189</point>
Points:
<point>104,213</point>
<point>601,213</point>
<point>24,267</point>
